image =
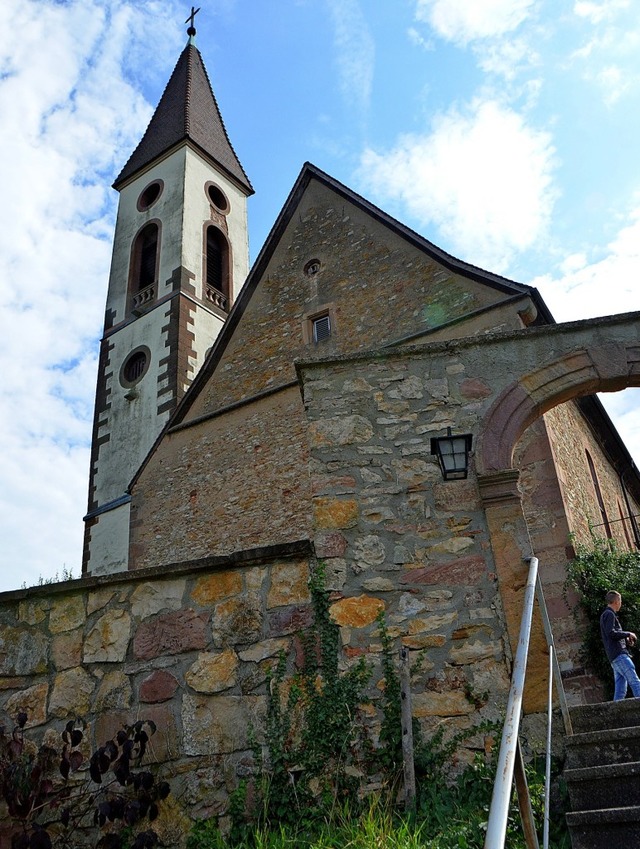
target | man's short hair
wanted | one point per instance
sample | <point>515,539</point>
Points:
<point>612,595</point>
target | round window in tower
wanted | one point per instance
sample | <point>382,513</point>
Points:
<point>150,195</point>
<point>135,366</point>
<point>217,198</point>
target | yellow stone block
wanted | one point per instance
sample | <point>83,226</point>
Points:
<point>335,513</point>
<point>453,703</point>
<point>356,611</point>
<point>210,589</point>
<point>289,584</point>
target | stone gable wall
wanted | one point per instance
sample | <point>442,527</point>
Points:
<point>230,483</point>
<point>380,286</point>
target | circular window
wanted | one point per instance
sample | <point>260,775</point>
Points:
<point>150,195</point>
<point>312,267</point>
<point>135,366</point>
<point>217,197</point>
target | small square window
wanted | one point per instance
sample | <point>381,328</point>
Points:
<point>321,328</point>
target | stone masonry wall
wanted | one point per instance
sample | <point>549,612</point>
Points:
<point>188,648</point>
<point>392,534</point>
<point>571,440</point>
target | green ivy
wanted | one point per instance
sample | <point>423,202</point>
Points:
<point>313,732</point>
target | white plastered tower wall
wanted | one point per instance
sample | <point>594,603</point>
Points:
<point>174,328</point>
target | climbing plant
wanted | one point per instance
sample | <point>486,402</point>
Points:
<point>313,733</point>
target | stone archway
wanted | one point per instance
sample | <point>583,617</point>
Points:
<point>577,359</point>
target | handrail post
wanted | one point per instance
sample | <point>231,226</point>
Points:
<point>499,811</point>
<point>547,769</point>
<point>557,677</point>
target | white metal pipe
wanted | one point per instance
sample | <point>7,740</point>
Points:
<point>547,772</point>
<point>499,811</point>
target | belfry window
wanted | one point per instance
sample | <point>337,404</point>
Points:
<point>144,267</point>
<point>148,246</point>
<point>216,268</point>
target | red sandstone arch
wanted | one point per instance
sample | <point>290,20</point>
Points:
<point>608,367</point>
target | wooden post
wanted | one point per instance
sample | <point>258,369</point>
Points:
<point>407,731</point>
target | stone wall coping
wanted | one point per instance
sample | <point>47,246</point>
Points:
<point>495,337</point>
<point>221,411</point>
<point>297,548</point>
<point>461,319</point>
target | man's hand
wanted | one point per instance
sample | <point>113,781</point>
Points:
<point>632,639</point>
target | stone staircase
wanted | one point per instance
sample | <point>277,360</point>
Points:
<point>602,771</point>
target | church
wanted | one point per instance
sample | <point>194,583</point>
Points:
<point>358,398</point>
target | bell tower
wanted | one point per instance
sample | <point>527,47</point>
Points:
<point>180,256</point>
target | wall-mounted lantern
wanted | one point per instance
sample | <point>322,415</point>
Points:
<point>453,454</point>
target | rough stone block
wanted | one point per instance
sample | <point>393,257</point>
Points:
<point>160,686</point>
<point>108,640</point>
<point>210,589</point>
<point>170,633</point>
<point>356,612</point>
<point>212,673</point>
<point>330,513</point>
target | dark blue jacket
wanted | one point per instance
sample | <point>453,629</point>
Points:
<point>613,637</point>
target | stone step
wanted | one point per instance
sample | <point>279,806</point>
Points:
<point>598,748</point>
<point>610,828</point>
<point>599,717</point>
<point>608,786</point>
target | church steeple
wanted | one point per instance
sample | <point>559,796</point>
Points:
<point>180,255</point>
<point>187,110</point>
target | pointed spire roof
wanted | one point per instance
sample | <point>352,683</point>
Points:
<point>187,110</point>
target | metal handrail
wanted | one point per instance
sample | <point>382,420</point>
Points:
<point>510,756</point>
<point>501,796</point>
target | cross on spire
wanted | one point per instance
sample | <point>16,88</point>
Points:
<point>192,30</point>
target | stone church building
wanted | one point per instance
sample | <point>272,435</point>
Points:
<point>252,422</point>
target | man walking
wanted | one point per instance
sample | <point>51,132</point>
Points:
<point>615,644</point>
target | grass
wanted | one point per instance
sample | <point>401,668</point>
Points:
<point>447,818</point>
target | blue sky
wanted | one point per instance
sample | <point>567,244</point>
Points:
<point>505,131</point>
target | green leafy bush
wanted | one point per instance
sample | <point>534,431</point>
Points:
<point>597,569</point>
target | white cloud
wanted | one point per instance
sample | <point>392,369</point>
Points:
<point>608,285</point>
<point>64,132</point>
<point>611,40</point>
<point>355,51</point>
<point>484,178</point>
<point>596,13</point>
<point>507,58</point>
<point>463,21</point>
<point>419,40</point>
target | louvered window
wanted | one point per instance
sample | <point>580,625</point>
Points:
<point>321,328</point>
<point>215,260</point>
<point>147,252</point>
<point>135,366</point>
